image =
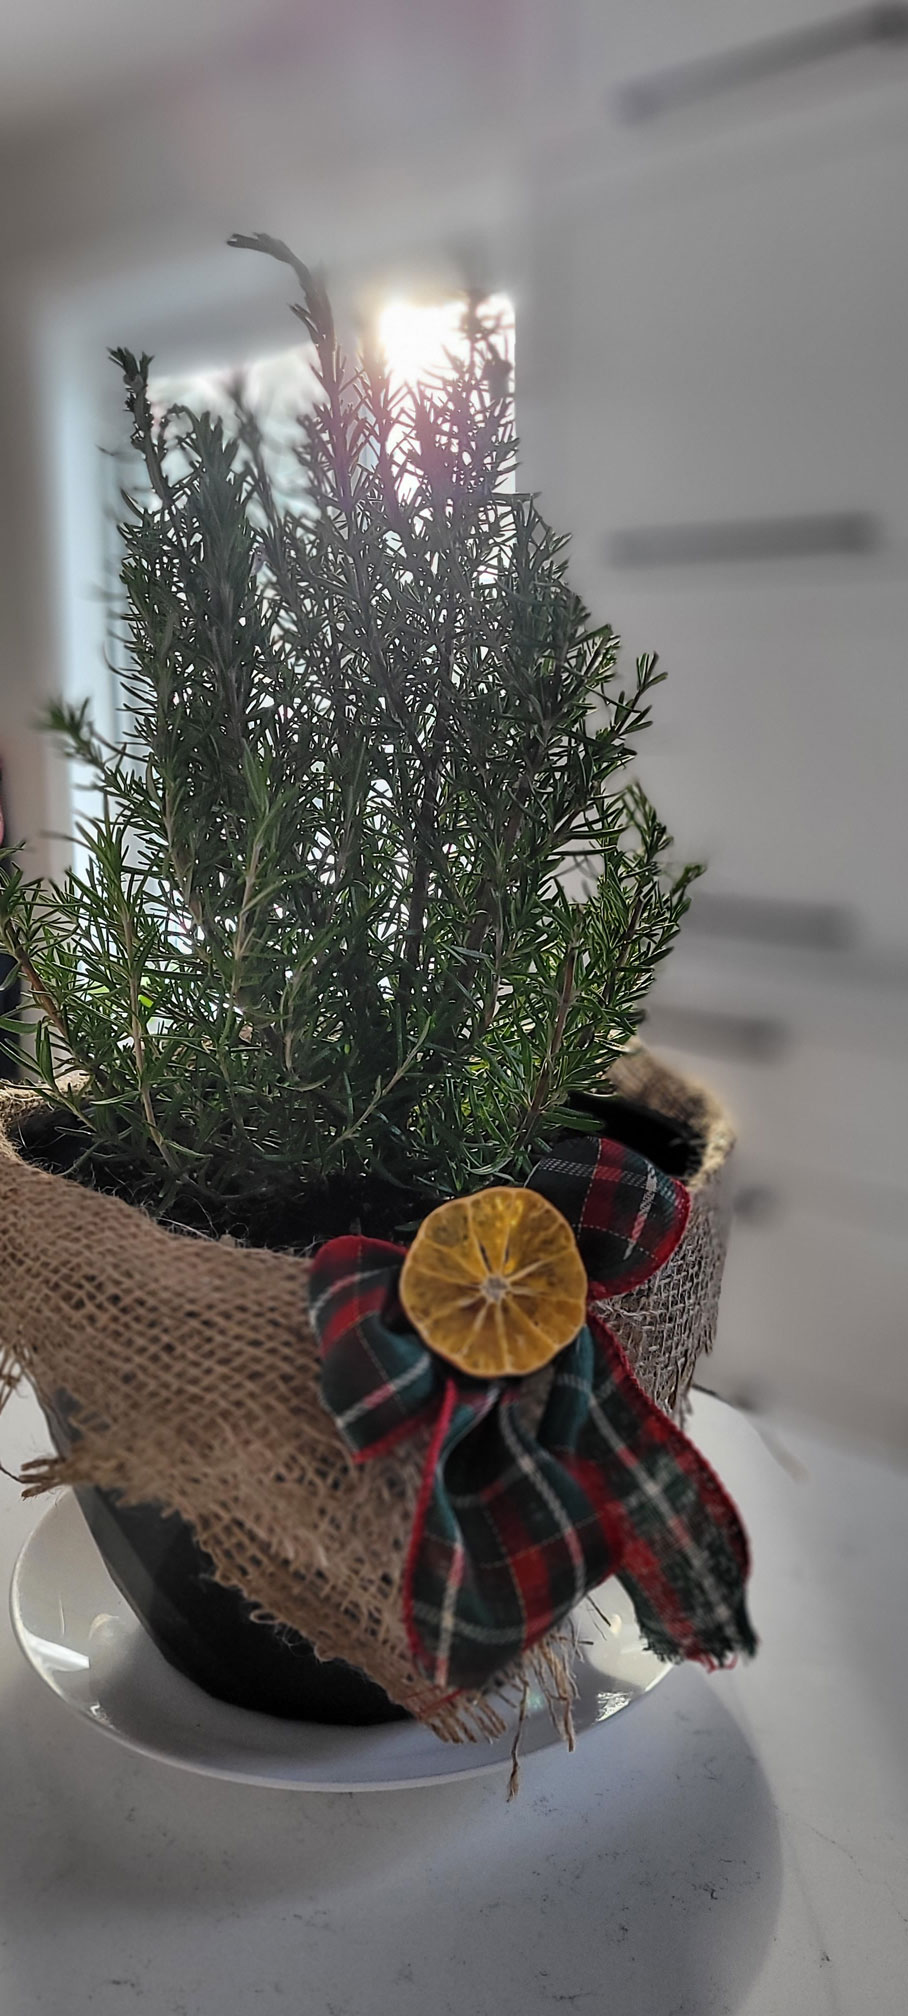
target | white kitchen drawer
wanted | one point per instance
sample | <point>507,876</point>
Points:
<point>635,76</point>
<point>814,1315</point>
<point>735,342</point>
<point>814,1309</point>
<point>780,739</point>
<point>760,290</point>
<point>828,1117</point>
<point>726,351</point>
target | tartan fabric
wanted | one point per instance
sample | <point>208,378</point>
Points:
<point>627,1215</point>
<point>512,1528</point>
<point>378,1379</point>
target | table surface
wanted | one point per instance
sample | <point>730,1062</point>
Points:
<point>733,1843</point>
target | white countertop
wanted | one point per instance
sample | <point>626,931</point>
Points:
<point>733,1843</point>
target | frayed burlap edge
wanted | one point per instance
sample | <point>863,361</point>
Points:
<point>195,1374</point>
<point>667,1325</point>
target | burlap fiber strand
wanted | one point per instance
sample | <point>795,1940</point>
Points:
<point>194,1372</point>
<point>666,1325</point>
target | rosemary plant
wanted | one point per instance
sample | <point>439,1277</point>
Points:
<point>323,946</point>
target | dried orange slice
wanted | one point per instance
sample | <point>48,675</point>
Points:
<point>495,1283</point>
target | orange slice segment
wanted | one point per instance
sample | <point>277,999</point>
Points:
<point>495,1283</point>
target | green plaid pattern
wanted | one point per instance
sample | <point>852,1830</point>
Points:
<point>512,1529</point>
<point>628,1216</point>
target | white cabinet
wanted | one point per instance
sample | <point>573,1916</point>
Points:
<point>720,356</point>
<point>813,1312</point>
<point>814,1308</point>
<point>654,67</point>
<point>780,743</point>
<point>711,368</point>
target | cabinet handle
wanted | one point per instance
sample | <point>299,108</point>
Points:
<point>667,91</point>
<point>757,1204</point>
<point>710,1032</point>
<point>773,920</point>
<point>808,536</point>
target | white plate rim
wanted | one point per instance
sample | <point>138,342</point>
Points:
<point>539,1732</point>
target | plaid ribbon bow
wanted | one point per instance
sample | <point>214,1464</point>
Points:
<point>513,1528</point>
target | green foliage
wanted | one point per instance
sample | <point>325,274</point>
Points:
<point>323,929</point>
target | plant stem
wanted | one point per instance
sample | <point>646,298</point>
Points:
<point>246,908</point>
<point>39,993</point>
<point>138,1043</point>
<point>543,1082</point>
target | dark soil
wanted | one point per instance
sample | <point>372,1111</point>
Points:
<point>674,1147</point>
<point>299,1224</point>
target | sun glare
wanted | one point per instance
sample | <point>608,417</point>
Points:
<point>417,336</point>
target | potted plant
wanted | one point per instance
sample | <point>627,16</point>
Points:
<point>365,926</point>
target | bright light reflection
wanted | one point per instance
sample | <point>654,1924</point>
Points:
<point>55,1654</point>
<point>416,337</point>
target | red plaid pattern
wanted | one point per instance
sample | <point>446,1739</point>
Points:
<point>512,1529</point>
<point>628,1216</point>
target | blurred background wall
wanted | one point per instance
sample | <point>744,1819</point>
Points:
<point>699,210</point>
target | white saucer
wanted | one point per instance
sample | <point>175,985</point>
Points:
<point>80,1635</point>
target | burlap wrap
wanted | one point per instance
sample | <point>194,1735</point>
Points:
<point>194,1371</point>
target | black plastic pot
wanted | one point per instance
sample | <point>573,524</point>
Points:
<point>208,1632</point>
